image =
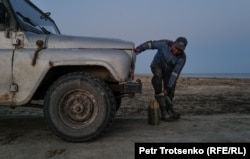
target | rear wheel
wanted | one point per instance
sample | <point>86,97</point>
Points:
<point>79,107</point>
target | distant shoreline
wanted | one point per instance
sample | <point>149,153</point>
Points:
<point>209,75</point>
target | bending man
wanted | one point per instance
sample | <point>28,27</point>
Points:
<point>166,68</point>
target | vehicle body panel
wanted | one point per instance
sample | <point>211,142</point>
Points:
<point>6,53</point>
<point>28,52</point>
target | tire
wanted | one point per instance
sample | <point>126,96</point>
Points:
<point>79,107</point>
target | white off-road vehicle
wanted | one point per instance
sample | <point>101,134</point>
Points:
<point>80,80</point>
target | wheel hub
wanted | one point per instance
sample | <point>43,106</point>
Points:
<point>79,106</point>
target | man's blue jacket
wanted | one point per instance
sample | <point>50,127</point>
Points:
<point>164,58</point>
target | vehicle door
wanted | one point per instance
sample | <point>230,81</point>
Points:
<point>6,54</point>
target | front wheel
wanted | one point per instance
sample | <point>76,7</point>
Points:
<point>79,107</point>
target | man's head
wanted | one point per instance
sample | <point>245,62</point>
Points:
<point>179,45</point>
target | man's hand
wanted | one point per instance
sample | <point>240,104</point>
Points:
<point>137,51</point>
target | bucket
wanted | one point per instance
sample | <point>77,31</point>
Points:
<point>153,113</point>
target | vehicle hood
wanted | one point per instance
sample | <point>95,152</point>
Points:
<point>65,41</point>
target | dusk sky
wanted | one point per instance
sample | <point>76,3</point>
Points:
<point>218,31</point>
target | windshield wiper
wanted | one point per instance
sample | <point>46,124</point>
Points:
<point>26,19</point>
<point>32,23</point>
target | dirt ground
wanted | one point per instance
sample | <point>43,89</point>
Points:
<point>213,110</point>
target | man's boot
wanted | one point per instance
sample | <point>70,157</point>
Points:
<point>162,104</point>
<point>170,109</point>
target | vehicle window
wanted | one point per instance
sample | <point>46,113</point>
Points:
<point>2,17</point>
<point>33,19</point>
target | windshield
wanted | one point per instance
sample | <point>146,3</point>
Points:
<point>33,19</point>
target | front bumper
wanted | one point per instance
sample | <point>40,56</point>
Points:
<point>127,88</point>
<point>132,87</point>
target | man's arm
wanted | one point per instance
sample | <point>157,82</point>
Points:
<point>175,73</point>
<point>152,45</point>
